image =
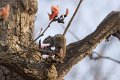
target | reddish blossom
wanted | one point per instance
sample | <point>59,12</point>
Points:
<point>55,11</point>
<point>4,11</point>
<point>67,11</point>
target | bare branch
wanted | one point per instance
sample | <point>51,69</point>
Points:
<point>41,34</point>
<point>72,18</point>
<point>102,57</point>
<point>29,71</point>
<point>78,50</point>
<point>73,34</point>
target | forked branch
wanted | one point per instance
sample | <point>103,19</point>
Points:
<point>78,50</point>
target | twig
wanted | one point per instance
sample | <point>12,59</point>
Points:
<point>76,37</point>
<point>72,18</point>
<point>41,33</point>
<point>103,57</point>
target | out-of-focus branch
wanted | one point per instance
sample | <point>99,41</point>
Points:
<point>73,34</point>
<point>102,57</point>
<point>72,17</point>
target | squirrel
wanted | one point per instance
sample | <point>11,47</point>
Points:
<point>4,12</point>
<point>59,43</point>
<point>60,46</point>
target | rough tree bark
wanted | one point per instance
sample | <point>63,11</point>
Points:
<point>19,61</point>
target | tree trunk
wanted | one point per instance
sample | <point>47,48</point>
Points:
<point>21,61</point>
<point>17,31</point>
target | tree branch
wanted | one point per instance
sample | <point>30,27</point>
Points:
<point>102,57</point>
<point>29,71</point>
<point>78,50</point>
<point>72,17</point>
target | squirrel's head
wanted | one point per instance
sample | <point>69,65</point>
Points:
<point>48,40</point>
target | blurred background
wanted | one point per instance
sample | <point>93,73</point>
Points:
<point>89,16</point>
